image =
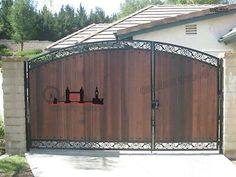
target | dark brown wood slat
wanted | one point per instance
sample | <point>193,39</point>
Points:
<point>213,107</point>
<point>160,96</point>
<point>187,81</point>
<point>33,109</point>
<point>174,96</point>
<point>183,88</point>
<point>203,102</point>
<point>188,91</point>
<point>107,70</point>
<point>195,103</point>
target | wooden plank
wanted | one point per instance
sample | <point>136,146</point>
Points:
<point>187,81</point>
<point>185,113</point>
<point>118,77</point>
<point>187,91</point>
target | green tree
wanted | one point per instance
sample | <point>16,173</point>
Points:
<point>65,21</point>
<point>5,26</point>
<point>198,1</point>
<point>1,26</point>
<point>81,17</point>
<point>23,21</point>
<point>45,25</point>
<point>131,6</point>
<point>98,16</point>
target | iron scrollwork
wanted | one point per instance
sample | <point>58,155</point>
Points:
<point>186,146</point>
<point>190,53</point>
<point>122,45</point>
<point>88,47</point>
<point>107,145</point>
<point>91,145</point>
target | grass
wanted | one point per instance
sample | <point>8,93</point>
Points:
<point>29,53</point>
<point>4,51</point>
<point>25,53</point>
<point>13,165</point>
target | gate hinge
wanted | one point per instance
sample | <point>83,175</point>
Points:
<point>155,104</point>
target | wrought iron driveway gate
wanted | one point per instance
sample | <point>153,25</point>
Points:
<point>137,95</point>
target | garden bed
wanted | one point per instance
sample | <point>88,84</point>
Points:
<point>15,166</point>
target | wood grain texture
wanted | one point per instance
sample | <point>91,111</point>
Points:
<point>187,91</point>
<point>119,75</point>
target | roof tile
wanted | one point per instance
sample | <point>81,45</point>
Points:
<point>144,18</point>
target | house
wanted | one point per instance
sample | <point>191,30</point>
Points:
<point>207,28</point>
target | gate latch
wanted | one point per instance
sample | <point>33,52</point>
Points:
<point>155,104</point>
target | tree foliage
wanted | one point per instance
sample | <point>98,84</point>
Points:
<point>65,21</point>
<point>5,26</point>
<point>131,6</point>
<point>19,19</point>
<point>45,25</point>
<point>98,16</point>
<point>82,18</point>
<point>23,21</point>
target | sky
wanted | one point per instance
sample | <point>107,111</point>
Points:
<point>109,6</point>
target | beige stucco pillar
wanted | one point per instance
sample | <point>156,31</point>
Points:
<point>229,138</point>
<point>14,105</point>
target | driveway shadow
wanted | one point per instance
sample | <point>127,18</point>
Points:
<point>81,159</point>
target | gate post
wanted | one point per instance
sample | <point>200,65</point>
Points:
<point>229,124</point>
<point>14,104</point>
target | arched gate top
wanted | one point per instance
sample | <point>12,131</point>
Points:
<point>123,45</point>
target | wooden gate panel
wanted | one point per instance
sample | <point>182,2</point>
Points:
<point>187,91</point>
<point>125,115</point>
<point>187,86</point>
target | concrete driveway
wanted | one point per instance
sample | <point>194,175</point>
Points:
<point>70,163</point>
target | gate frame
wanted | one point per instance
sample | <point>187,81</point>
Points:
<point>153,47</point>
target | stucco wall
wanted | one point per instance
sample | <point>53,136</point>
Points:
<point>206,39</point>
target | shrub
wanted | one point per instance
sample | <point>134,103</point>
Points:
<point>1,129</point>
<point>2,142</point>
<point>4,51</point>
<point>29,53</point>
<point>2,46</point>
<point>13,165</point>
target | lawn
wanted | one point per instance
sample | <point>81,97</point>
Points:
<point>31,53</point>
<point>14,166</point>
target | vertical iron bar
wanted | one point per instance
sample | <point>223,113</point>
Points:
<point>220,105</point>
<point>221,83</point>
<point>29,118</point>
<point>26,102</point>
<point>153,96</point>
<point>27,121</point>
